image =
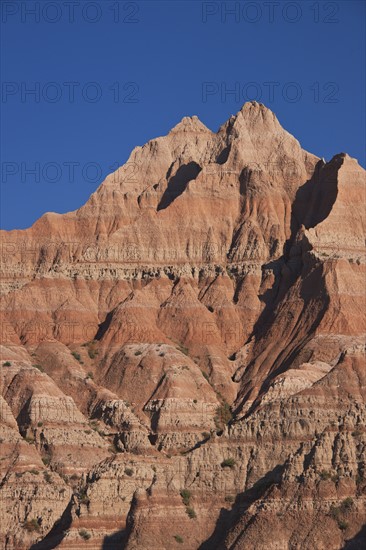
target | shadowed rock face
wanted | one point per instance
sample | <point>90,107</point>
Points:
<point>182,358</point>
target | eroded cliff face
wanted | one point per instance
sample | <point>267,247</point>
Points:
<point>183,358</point>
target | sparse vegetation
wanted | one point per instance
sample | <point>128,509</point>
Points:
<point>84,534</point>
<point>46,460</point>
<point>39,424</point>
<point>32,525</point>
<point>138,353</point>
<point>206,435</point>
<point>178,538</point>
<point>90,375</point>
<point>229,498</point>
<point>39,367</point>
<point>347,504</point>
<point>76,355</point>
<point>186,496</point>
<point>205,375</point>
<point>191,513</point>
<point>228,463</point>
<point>47,477</point>
<point>34,472</point>
<point>223,416</point>
<point>129,472</point>
<point>336,512</point>
<point>7,364</point>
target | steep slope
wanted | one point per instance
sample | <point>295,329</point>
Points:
<point>182,358</point>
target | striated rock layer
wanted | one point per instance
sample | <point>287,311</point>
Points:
<point>183,357</point>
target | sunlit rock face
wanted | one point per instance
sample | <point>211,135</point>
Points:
<point>183,358</point>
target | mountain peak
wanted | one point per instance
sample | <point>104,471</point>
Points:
<point>190,124</point>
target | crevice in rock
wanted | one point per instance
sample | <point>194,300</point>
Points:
<point>228,518</point>
<point>223,155</point>
<point>58,531</point>
<point>177,184</point>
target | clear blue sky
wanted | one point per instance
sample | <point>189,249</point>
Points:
<point>160,55</point>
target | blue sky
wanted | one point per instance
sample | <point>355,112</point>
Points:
<point>111,75</point>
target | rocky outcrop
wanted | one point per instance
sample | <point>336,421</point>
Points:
<point>182,360</point>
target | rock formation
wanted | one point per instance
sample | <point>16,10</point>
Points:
<point>183,357</point>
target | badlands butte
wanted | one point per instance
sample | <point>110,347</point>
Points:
<point>182,358</point>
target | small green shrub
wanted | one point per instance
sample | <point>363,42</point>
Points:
<point>39,424</point>
<point>228,463</point>
<point>186,496</point>
<point>92,353</point>
<point>191,513</point>
<point>129,472</point>
<point>325,475</point>
<point>334,512</point>
<point>347,504</point>
<point>90,375</point>
<point>47,477</point>
<point>178,538</point>
<point>84,534</point>
<point>39,367</point>
<point>46,460</point>
<point>342,524</point>
<point>34,472</point>
<point>32,525</point>
<point>229,498</point>
<point>76,355</point>
<point>223,415</point>
<point>7,364</point>
<point>138,353</point>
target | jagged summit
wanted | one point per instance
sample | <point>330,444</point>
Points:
<point>190,124</point>
<point>189,342</point>
<point>251,112</point>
